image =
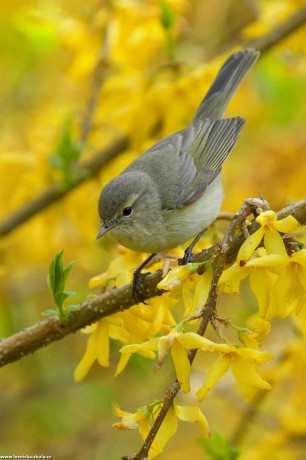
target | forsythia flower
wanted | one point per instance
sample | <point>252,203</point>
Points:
<point>182,280</point>
<point>289,291</point>
<point>97,349</point>
<point>253,338</point>
<point>243,361</point>
<point>270,270</point>
<point>134,325</point>
<point>145,416</point>
<point>162,344</point>
<point>269,231</point>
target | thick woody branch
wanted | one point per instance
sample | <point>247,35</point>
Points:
<point>51,329</point>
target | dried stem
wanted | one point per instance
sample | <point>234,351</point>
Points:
<point>49,330</point>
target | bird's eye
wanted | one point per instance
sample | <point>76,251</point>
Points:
<point>127,211</point>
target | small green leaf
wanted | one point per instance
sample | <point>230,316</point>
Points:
<point>66,270</point>
<point>67,152</point>
<point>167,17</point>
<point>217,447</point>
<point>56,279</point>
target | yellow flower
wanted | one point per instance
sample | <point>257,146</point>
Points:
<point>178,275</point>
<point>242,361</point>
<point>253,338</point>
<point>289,291</point>
<point>97,349</point>
<point>163,344</point>
<point>115,275</point>
<point>269,231</point>
<point>144,418</point>
<point>262,272</point>
<point>183,280</point>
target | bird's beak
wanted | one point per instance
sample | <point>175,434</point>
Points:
<point>106,228</point>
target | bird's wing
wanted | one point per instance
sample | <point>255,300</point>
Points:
<point>184,164</point>
<point>212,142</point>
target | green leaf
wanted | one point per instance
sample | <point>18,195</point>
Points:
<point>167,17</point>
<point>56,279</point>
<point>67,152</point>
<point>217,447</point>
<point>66,270</point>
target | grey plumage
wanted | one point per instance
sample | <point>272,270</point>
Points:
<point>227,81</point>
<point>174,190</point>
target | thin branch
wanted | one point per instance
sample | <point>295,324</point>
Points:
<point>207,313</point>
<point>49,330</point>
<point>87,170</point>
<point>280,32</point>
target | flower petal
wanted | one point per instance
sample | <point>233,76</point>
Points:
<point>177,276</point>
<point>201,291</point>
<point>182,365</point>
<point>103,343</point>
<point>230,279</point>
<point>123,360</point>
<point>215,372</point>
<point>274,243</point>
<point>250,244</point>
<point>87,360</point>
<point>261,282</point>
<point>287,225</point>
<point>193,340</point>
<point>192,414</point>
<point>149,345</point>
<point>245,373</point>
<point>166,431</point>
<point>286,291</point>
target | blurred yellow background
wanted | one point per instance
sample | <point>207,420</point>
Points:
<point>143,81</point>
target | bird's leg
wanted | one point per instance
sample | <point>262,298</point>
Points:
<point>186,259</point>
<point>138,279</point>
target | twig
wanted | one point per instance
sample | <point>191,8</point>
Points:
<point>281,31</point>
<point>208,311</point>
<point>49,330</point>
<point>87,170</point>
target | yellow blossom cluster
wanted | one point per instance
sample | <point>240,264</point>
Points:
<point>276,278</point>
<point>144,417</point>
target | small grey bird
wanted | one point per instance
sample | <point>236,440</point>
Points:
<point>173,191</point>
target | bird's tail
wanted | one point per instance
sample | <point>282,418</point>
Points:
<point>227,81</point>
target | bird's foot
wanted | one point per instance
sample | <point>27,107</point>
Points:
<point>187,257</point>
<point>137,286</point>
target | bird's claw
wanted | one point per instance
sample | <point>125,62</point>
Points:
<point>187,257</point>
<point>137,286</point>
